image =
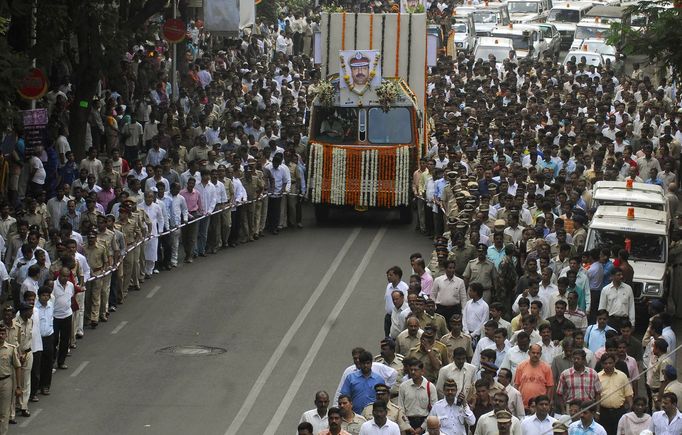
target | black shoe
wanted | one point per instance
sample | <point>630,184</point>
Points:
<point>25,413</point>
<point>12,422</point>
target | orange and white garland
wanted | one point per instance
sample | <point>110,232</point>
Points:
<point>370,177</point>
<point>402,175</point>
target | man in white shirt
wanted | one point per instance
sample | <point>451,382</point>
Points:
<point>458,370</point>
<point>397,320</point>
<point>178,216</point>
<point>540,422</point>
<point>318,416</point>
<point>453,412</point>
<point>208,200</point>
<point>62,292</point>
<point>380,424</point>
<point>668,421</point>
<point>448,290</point>
<point>281,177</point>
<point>475,312</point>
<point>394,276</point>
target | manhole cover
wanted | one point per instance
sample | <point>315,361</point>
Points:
<point>192,350</point>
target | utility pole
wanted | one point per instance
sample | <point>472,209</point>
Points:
<point>34,37</point>
<point>175,89</point>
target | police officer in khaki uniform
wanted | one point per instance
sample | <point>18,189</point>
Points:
<point>254,187</point>
<point>226,214</point>
<point>9,368</point>
<point>426,353</point>
<point>394,412</point>
<point>132,234</point>
<point>145,226</point>
<point>99,260</point>
<point>106,238</point>
<point>24,324</point>
<point>11,337</point>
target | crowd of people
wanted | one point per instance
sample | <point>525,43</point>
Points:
<point>511,325</point>
<point>508,326</point>
<point>166,178</point>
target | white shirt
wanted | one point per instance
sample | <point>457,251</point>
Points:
<point>401,287</point>
<point>474,315</point>
<point>61,296</point>
<point>282,177</point>
<point>208,196</point>
<point>514,357</point>
<point>179,210</point>
<point>532,424</point>
<point>660,425</point>
<point>371,428</point>
<point>452,417</point>
<point>464,377</point>
<point>312,417</point>
<point>618,301</point>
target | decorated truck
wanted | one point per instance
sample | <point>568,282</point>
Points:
<point>367,125</point>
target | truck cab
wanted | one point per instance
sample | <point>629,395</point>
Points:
<point>566,16</point>
<point>488,16</point>
<point>644,233</point>
<point>527,11</point>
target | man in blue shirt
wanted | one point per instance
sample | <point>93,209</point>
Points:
<point>359,385</point>
<point>496,252</point>
<point>595,335</point>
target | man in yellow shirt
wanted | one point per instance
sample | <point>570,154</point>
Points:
<point>616,393</point>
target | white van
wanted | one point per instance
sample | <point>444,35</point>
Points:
<point>464,31</point>
<point>642,231</point>
<point>488,16</point>
<point>565,16</point>
<point>528,11</point>
<point>639,195</point>
<point>527,39</point>
<point>498,47</point>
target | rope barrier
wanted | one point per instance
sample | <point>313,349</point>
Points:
<point>229,206</point>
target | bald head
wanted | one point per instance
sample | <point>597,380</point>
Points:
<point>672,187</point>
<point>433,423</point>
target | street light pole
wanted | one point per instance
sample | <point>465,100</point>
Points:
<point>34,37</point>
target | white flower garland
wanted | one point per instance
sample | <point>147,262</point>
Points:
<point>375,177</point>
<point>317,158</point>
<point>335,176</point>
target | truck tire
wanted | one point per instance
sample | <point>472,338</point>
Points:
<point>321,213</point>
<point>405,214</point>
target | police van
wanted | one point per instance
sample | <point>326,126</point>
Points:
<point>629,194</point>
<point>643,232</point>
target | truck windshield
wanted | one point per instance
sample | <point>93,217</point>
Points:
<point>392,127</point>
<point>643,247</point>
<point>460,28</point>
<point>585,32</point>
<point>523,7</point>
<point>336,124</point>
<point>485,17</point>
<point>564,16</point>
<point>519,42</point>
<point>500,53</point>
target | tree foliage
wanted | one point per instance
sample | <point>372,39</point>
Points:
<point>660,39</point>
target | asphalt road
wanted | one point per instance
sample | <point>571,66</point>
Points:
<point>287,310</point>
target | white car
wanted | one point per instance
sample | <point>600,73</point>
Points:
<point>597,46</point>
<point>591,58</point>
<point>498,47</point>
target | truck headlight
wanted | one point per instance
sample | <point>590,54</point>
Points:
<point>653,288</point>
<point>459,44</point>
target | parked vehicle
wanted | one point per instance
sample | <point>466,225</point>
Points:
<point>565,16</point>
<point>498,47</point>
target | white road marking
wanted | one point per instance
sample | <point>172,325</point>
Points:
<point>296,383</point>
<point>119,327</point>
<point>79,369</point>
<point>153,292</point>
<point>250,400</point>
<point>34,414</point>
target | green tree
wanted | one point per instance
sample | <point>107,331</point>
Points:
<point>660,39</point>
